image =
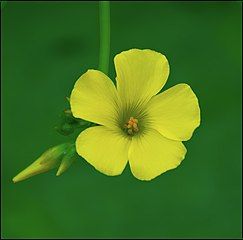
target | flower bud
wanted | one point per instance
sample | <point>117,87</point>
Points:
<point>47,161</point>
<point>68,116</point>
<point>65,129</point>
<point>67,160</point>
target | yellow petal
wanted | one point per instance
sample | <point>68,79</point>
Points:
<point>94,98</point>
<point>140,75</point>
<point>151,154</point>
<point>175,113</point>
<point>103,148</point>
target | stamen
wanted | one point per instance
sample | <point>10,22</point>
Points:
<point>131,127</point>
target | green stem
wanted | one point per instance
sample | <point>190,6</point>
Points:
<point>104,9</point>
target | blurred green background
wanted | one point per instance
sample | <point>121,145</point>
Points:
<point>46,46</point>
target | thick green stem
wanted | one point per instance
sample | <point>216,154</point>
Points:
<point>104,11</point>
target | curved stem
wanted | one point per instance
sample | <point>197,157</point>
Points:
<point>104,11</point>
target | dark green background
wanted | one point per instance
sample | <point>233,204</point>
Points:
<point>46,46</point>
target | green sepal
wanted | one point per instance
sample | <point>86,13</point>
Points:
<point>56,152</point>
<point>68,123</point>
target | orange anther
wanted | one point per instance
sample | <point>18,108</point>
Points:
<point>131,127</point>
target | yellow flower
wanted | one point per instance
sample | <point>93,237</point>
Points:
<point>137,126</point>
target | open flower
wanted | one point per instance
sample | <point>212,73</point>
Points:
<point>137,126</point>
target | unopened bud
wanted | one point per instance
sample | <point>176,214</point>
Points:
<point>68,116</point>
<point>65,129</point>
<point>67,160</point>
<point>47,161</point>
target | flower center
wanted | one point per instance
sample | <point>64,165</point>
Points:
<point>131,127</point>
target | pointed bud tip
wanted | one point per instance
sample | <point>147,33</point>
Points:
<point>16,179</point>
<point>59,172</point>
